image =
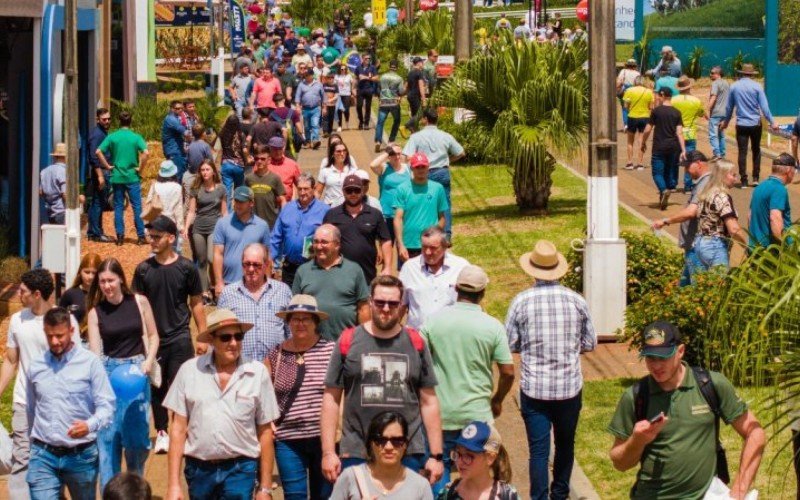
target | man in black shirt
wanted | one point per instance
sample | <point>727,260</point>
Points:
<point>668,145</point>
<point>262,132</point>
<point>171,283</point>
<point>415,93</point>
<point>361,226</point>
<point>367,81</point>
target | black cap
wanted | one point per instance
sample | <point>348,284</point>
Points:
<point>163,224</point>
<point>693,157</point>
<point>660,339</point>
<point>417,60</point>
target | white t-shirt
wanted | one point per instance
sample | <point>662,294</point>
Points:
<point>26,334</point>
<point>345,84</point>
<point>171,194</point>
<point>368,20</point>
<point>333,179</point>
<point>324,163</point>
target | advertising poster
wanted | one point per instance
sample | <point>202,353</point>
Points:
<point>379,12</point>
<point>625,20</point>
<point>236,23</point>
<point>704,18</point>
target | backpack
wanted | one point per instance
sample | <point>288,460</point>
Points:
<point>346,341</point>
<point>641,397</point>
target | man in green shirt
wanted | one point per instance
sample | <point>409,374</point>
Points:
<point>691,108</point>
<point>128,153</point>
<point>390,87</point>
<point>465,342</point>
<point>675,443</point>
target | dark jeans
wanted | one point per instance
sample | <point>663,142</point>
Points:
<point>347,101</point>
<point>449,440</point>
<point>688,183</point>
<point>300,466</point>
<point>540,416</point>
<point>134,191</point>
<point>96,206</point>
<point>665,169</point>
<point>170,357</point>
<point>382,114</point>
<point>364,108</point>
<point>414,103</point>
<point>330,113</point>
<point>232,177</point>
<point>49,473</point>
<point>57,218</point>
<point>233,479</point>
<point>442,176</point>
<point>752,134</point>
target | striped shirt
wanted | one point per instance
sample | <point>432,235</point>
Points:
<point>299,388</point>
<point>550,326</point>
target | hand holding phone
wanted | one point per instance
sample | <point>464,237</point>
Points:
<point>658,418</point>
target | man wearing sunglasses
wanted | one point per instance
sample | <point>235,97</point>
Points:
<point>223,405</point>
<point>99,179</point>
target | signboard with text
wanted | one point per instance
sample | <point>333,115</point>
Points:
<point>379,12</point>
<point>625,20</point>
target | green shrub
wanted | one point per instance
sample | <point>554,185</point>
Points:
<point>651,265</point>
<point>475,139</point>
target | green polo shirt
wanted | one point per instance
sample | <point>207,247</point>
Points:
<point>465,342</point>
<point>681,462</point>
<point>421,205</point>
<point>338,291</point>
<point>123,146</point>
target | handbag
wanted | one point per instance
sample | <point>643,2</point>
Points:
<point>153,207</point>
<point>155,371</point>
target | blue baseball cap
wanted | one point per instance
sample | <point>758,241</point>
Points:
<point>480,437</point>
<point>243,193</point>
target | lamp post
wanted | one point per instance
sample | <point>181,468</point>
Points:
<point>72,217</point>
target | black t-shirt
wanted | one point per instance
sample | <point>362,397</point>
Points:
<point>414,77</point>
<point>74,300</point>
<point>665,120</point>
<point>168,288</point>
<point>359,235</point>
<point>246,128</point>
<point>121,328</point>
<point>262,132</point>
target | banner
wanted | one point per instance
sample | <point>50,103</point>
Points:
<point>379,12</point>
<point>692,19</point>
<point>171,16</point>
<point>236,23</point>
<point>625,20</point>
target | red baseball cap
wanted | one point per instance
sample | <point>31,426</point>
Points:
<point>419,160</point>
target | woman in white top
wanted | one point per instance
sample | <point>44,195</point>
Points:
<point>333,140</point>
<point>346,85</point>
<point>170,191</point>
<point>626,79</point>
<point>331,178</point>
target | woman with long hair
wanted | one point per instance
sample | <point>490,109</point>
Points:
<point>718,222</point>
<point>74,299</point>
<point>298,367</point>
<point>346,85</point>
<point>334,139</point>
<point>483,466</point>
<point>120,322</point>
<point>383,475</point>
<point>234,155</point>
<point>206,206</point>
<point>331,178</point>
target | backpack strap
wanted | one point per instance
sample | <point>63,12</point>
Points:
<point>641,398</point>
<point>416,339</point>
<point>346,340</point>
<point>709,392</point>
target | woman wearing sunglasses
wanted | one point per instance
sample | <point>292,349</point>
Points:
<point>383,476</point>
<point>298,367</point>
<point>483,466</point>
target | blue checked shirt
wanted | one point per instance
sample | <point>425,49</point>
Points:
<point>268,330</point>
<point>549,325</point>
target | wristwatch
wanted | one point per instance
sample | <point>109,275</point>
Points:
<point>438,457</point>
<point>265,489</point>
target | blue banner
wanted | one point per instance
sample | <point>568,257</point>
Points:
<point>236,23</point>
<point>171,16</point>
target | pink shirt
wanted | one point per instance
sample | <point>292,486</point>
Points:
<point>288,171</point>
<point>264,91</point>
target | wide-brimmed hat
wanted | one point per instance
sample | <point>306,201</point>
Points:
<point>221,318</point>
<point>747,69</point>
<point>168,169</point>
<point>60,150</point>
<point>545,262</point>
<point>302,304</point>
<point>684,83</point>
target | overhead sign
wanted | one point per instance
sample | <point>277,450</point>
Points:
<point>173,16</point>
<point>379,12</point>
<point>625,20</point>
<point>236,23</point>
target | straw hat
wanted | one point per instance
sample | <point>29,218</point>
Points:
<point>220,318</point>
<point>545,262</point>
<point>747,69</point>
<point>60,151</point>
<point>302,304</point>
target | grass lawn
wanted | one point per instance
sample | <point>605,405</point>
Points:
<point>490,232</point>
<point>739,18</point>
<point>624,52</point>
<point>775,478</point>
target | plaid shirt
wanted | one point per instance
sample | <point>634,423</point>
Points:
<point>549,325</point>
<point>268,330</point>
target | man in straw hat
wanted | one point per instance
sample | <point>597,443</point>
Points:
<point>550,326</point>
<point>223,406</point>
<point>53,185</point>
<point>748,97</point>
<point>691,108</point>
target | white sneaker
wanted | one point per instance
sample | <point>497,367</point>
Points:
<point>162,443</point>
<point>338,129</point>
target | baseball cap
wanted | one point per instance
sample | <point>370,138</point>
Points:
<point>352,180</point>
<point>418,160</point>
<point>362,174</point>
<point>276,142</point>
<point>243,193</point>
<point>393,64</point>
<point>472,279</point>
<point>660,339</point>
<point>692,157</point>
<point>417,60</point>
<point>163,224</point>
<point>480,437</point>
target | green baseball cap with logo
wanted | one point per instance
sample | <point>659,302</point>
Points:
<point>660,339</point>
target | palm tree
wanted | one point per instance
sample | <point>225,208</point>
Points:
<point>431,30</point>
<point>532,101</point>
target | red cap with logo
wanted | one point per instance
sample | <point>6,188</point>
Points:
<point>418,160</point>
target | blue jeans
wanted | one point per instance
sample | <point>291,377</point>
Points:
<point>711,251</point>
<point>130,430</point>
<point>233,479</point>
<point>232,177</point>
<point>311,122</point>
<point>691,145</point>
<point>414,462</point>
<point>48,473</point>
<point>180,161</point>
<point>134,191</point>
<point>665,170</point>
<point>715,136</point>
<point>449,441</point>
<point>96,208</point>
<point>691,266</point>
<point>442,176</point>
<point>540,416</point>
<point>300,466</point>
<point>383,113</point>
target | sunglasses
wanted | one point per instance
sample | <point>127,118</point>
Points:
<point>226,337</point>
<point>380,304</point>
<point>254,265</point>
<point>397,442</point>
<point>352,191</point>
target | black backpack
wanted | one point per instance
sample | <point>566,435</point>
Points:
<point>641,397</point>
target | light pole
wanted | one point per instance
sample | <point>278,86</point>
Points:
<point>604,277</point>
<point>463,22</point>
<point>73,213</point>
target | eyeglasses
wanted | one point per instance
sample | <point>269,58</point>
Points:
<point>397,442</point>
<point>340,151</point>
<point>254,265</point>
<point>300,319</point>
<point>465,459</point>
<point>380,304</point>
<point>226,337</point>
<point>262,158</point>
<point>353,190</point>
<point>179,108</point>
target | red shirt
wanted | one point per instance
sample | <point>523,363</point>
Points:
<point>288,171</point>
<point>265,90</point>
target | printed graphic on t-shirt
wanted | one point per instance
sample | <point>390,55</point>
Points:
<point>383,379</point>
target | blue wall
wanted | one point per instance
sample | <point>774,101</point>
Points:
<point>782,79</point>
